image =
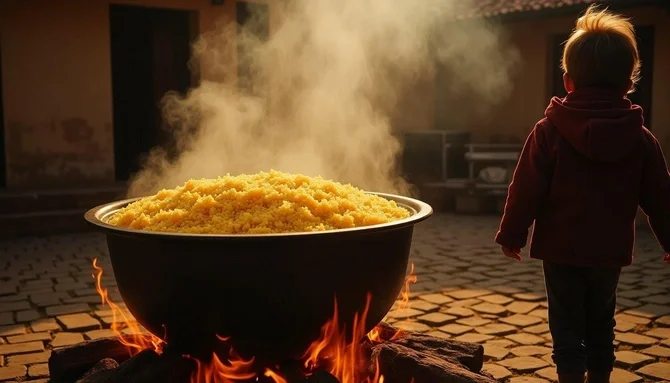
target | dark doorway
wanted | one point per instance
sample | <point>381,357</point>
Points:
<point>3,160</point>
<point>150,50</point>
<point>253,19</point>
<point>643,91</point>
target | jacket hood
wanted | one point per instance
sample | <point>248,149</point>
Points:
<point>600,125</point>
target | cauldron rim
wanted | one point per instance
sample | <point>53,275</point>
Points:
<point>419,210</point>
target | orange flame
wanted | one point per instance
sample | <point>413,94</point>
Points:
<point>345,361</point>
<point>135,341</point>
<point>234,369</point>
<point>411,278</point>
<point>274,376</point>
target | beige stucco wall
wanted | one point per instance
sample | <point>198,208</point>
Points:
<point>57,87</point>
<point>517,114</point>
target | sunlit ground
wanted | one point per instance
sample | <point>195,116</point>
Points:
<point>465,290</point>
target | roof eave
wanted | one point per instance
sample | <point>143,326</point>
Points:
<point>616,5</point>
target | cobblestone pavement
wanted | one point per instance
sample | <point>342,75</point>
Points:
<point>466,290</point>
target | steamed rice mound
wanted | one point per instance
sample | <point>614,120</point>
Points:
<point>261,203</point>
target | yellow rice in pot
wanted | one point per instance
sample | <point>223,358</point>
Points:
<point>261,203</point>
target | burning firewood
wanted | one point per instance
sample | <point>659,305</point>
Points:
<point>70,363</point>
<point>401,357</point>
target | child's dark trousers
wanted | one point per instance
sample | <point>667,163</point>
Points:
<point>582,301</point>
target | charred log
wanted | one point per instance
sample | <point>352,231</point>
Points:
<point>70,363</point>
<point>425,359</point>
<point>400,357</point>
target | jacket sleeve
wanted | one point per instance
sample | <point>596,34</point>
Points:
<point>527,192</point>
<point>655,193</point>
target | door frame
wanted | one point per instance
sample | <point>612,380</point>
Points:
<point>3,148</point>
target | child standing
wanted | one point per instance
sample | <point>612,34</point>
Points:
<point>584,170</point>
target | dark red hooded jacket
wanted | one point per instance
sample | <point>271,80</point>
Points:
<point>584,170</point>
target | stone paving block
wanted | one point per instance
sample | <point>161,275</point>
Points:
<point>525,339</point>
<point>527,379</point>
<point>12,372</point>
<point>649,311</point>
<point>631,359</point>
<point>45,324</point>
<point>473,337</point>
<point>436,319</point>
<point>78,322</point>
<point>660,370</point>
<point>496,299</point>
<point>500,342</point>
<point>624,326</point>
<point>53,311</point>
<point>530,350</point>
<point>540,313</point>
<point>489,308</point>
<point>496,329</point>
<point>659,332</point>
<point>521,320</point>
<point>533,297</point>
<point>421,305</point>
<point>21,348</point>
<point>27,316</point>
<point>32,358</point>
<point>634,339</point>
<point>438,334</point>
<point>62,339</point>
<point>473,321</point>
<point>16,329</point>
<point>495,352</point>
<point>458,311</point>
<point>625,303</point>
<point>521,307</point>
<point>38,336</point>
<point>658,351</point>
<point>91,299</point>
<point>537,329</point>
<point>464,303</point>
<point>505,289</point>
<point>110,320</point>
<point>14,306</point>
<point>467,293</point>
<point>50,297</point>
<point>622,376</point>
<point>455,329</point>
<point>404,313</point>
<point>412,326</point>
<point>632,319</point>
<point>632,294</point>
<point>437,299</point>
<point>664,321</point>
<point>38,370</point>
<point>6,318</point>
<point>70,286</point>
<point>548,373</point>
<point>523,364</point>
<point>498,372</point>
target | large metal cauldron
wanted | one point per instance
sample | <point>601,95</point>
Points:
<point>269,293</point>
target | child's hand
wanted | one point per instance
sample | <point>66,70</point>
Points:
<point>667,259</point>
<point>516,253</point>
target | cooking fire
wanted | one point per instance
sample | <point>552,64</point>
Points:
<point>383,355</point>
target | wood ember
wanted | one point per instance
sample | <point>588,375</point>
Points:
<point>427,359</point>
<point>103,365</point>
<point>402,358</point>
<point>70,363</point>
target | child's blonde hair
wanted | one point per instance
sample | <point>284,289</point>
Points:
<point>602,51</point>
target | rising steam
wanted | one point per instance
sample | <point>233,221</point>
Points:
<point>324,90</point>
